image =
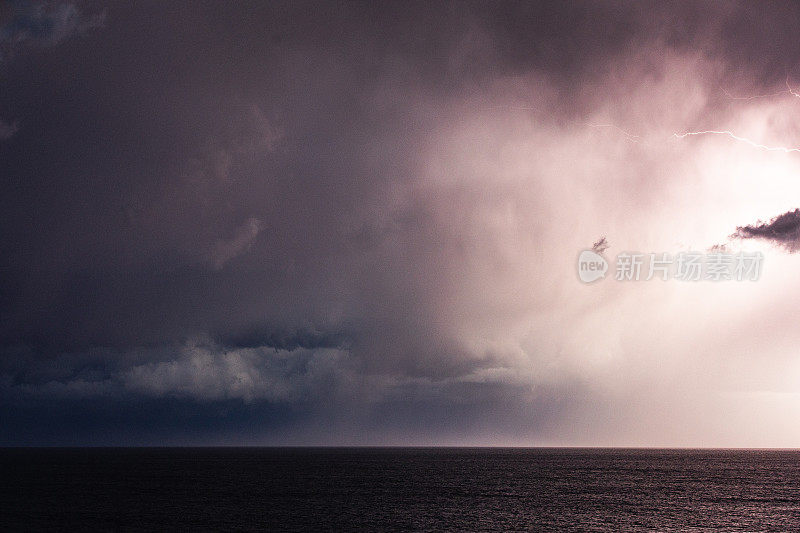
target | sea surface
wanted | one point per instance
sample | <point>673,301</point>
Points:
<point>380,489</point>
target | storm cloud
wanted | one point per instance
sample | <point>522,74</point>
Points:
<point>783,230</point>
<point>25,23</point>
<point>349,223</point>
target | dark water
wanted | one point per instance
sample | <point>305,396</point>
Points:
<point>391,489</point>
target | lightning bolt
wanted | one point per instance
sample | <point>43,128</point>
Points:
<point>789,88</point>
<point>518,107</point>
<point>629,136</point>
<point>768,95</point>
<point>745,140</point>
<point>677,136</point>
<point>785,149</point>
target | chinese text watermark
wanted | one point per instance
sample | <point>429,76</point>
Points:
<point>683,266</point>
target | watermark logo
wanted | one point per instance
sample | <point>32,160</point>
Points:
<point>715,265</point>
<point>591,266</point>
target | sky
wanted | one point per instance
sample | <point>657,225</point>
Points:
<point>323,223</point>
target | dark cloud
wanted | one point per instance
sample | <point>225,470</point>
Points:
<point>718,248</point>
<point>601,245</point>
<point>265,215</point>
<point>783,230</point>
<point>27,23</point>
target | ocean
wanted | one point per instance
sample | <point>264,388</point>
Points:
<point>380,489</point>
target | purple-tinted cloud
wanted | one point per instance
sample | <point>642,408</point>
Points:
<point>783,230</point>
<point>29,23</point>
<point>368,212</point>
